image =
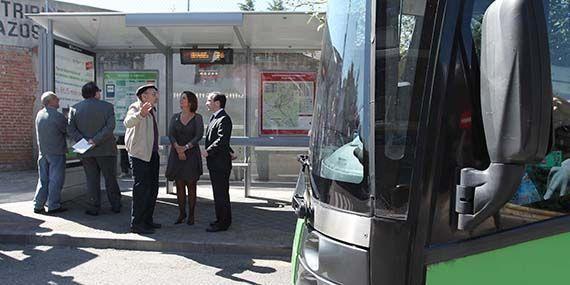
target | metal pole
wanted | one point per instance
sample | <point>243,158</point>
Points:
<point>188,6</point>
<point>50,58</point>
<point>42,57</point>
<point>248,119</point>
<point>47,53</point>
<point>168,100</point>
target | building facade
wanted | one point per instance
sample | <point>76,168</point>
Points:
<point>20,78</point>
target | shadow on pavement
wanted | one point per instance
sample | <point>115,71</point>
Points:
<point>34,260</point>
<point>230,272</point>
<point>41,265</point>
<point>20,223</point>
<point>257,223</point>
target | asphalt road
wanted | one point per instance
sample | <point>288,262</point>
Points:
<point>60,265</point>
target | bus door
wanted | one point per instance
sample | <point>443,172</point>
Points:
<point>525,241</point>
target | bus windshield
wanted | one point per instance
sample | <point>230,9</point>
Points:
<point>340,126</point>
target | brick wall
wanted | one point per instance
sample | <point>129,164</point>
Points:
<point>18,87</point>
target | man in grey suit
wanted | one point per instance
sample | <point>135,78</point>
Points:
<point>50,131</point>
<point>94,120</point>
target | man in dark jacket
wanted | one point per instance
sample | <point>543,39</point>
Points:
<point>94,120</point>
<point>219,161</point>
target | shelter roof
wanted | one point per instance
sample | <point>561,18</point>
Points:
<point>117,30</point>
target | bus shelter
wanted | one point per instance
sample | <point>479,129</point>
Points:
<point>265,62</point>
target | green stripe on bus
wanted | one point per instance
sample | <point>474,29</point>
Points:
<point>296,248</point>
<point>542,261</point>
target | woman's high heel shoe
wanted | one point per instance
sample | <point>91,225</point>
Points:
<point>180,219</point>
<point>190,220</point>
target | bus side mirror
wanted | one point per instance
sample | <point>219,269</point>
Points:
<point>516,106</point>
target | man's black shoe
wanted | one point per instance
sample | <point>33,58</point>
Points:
<point>141,230</point>
<point>154,225</point>
<point>216,228</point>
<point>39,211</point>
<point>213,223</point>
<point>55,211</point>
<point>92,213</point>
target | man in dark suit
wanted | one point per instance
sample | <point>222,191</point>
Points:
<point>94,120</point>
<point>218,159</point>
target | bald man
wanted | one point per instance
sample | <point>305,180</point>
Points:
<point>50,131</point>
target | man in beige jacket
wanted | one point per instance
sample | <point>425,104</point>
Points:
<point>141,141</point>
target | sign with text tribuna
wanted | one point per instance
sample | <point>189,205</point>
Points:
<point>15,28</point>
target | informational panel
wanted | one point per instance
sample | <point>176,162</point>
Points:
<point>74,67</point>
<point>207,56</point>
<point>120,89</point>
<point>287,102</point>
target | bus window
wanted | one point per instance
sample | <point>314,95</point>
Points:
<point>398,32</point>
<point>340,126</point>
<point>544,191</point>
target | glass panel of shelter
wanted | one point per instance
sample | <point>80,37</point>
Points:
<point>130,61</point>
<point>264,168</point>
<point>230,80</point>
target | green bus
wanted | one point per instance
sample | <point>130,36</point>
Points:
<point>440,145</point>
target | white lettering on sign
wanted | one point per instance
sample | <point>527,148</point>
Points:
<point>15,28</point>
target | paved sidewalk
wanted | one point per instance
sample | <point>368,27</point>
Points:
<point>259,227</point>
<point>16,186</point>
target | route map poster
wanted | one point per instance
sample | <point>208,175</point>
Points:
<point>120,90</point>
<point>74,67</point>
<point>287,102</point>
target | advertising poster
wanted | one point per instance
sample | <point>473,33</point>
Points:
<point>287,102</point>
<point>120,89</point>
<point>74,67</point>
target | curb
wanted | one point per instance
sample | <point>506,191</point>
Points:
<point>149,245</point>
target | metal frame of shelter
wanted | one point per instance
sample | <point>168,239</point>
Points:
<point>169,32</point>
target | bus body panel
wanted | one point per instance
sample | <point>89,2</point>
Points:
<point>541,261</point>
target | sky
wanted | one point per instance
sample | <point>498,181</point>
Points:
<point>170,5</point>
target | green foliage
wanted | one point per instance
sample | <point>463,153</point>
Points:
<point>248,5</point>
<point>407,25</point>
<point>276,5</point>
<point>313,7</point>
<point>559,32</point>
<point>476,23</point>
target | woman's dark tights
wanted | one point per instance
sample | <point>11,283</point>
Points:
<point>181,195</point>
